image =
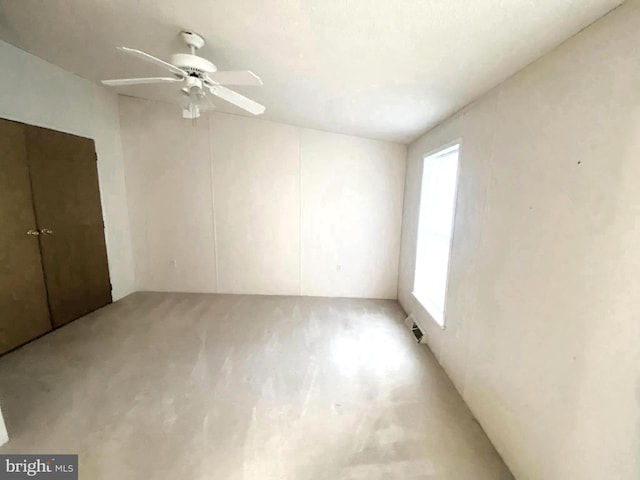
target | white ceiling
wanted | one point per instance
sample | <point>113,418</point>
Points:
<point>384,69</point>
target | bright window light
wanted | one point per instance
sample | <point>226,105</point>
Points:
<point>435,230</point>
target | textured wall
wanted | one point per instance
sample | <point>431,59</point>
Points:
<point>542,335</point>
<point>242,205</point>
<point>39,93</point>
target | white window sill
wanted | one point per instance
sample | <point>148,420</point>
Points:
<point>432,311</point>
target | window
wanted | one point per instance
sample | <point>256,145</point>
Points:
<point>435,230</point>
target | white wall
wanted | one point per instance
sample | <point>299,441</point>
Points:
<point>4,436</point>
<point>39,93</point>
<point>543,312</point>
<point>233,204</point>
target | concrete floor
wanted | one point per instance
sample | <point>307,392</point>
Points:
<point>232,387</point>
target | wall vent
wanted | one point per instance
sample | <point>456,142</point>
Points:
<point>411,323</point>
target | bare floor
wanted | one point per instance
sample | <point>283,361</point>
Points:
<point>234,387</point>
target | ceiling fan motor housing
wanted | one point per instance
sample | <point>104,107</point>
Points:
<point>193,64</point>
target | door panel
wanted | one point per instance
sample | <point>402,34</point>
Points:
<point>24,314</point>
<point>66,199</point>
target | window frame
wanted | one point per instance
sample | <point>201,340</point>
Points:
<point>439,317</point>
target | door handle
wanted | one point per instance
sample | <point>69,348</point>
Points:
<point>46,231</point>
<point>34,233</point>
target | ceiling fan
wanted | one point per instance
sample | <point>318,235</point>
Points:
<point>197,76</point>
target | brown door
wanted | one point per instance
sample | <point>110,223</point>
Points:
<point>24,314</point>
<point>66,199</point>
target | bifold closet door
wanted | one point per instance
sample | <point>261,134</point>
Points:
<point>24,314</point>
<point>66,199</point>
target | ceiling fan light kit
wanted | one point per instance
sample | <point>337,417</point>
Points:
<point>198,77</point>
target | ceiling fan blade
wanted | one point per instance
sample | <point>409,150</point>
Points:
<point>237,99</point>
<point>238,77</point>
<point>140,81</point>
<point>152,59</point>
